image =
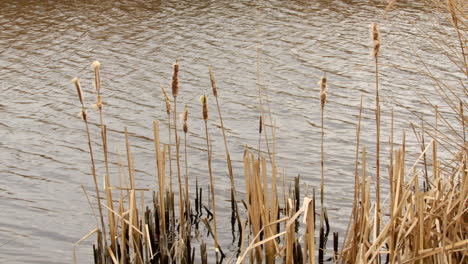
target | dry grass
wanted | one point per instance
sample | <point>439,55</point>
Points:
<point>425,218</point>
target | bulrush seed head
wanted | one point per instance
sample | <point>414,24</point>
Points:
<point>78,89</point>
<point>213,82</point>
<point>323,91</point>
<point>166,99</point>
<point>97,77</point>
<point>175,79</point>
<point>184,117</point>
<point>260,125</point>
<point>375,39</point>
<point>204,103</point>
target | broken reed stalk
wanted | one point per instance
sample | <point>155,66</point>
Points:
<point>107,185</point>
<point>161,176</point>
<point>235,208</point>
<point>204,103</point>
<point>91,154</point>
<point>375,52</point>
<point>353,229</point>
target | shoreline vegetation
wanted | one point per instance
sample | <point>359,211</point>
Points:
<point>424,219</point>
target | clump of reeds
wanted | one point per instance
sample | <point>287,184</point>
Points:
<point>423,226</point>
<point>422,223</point>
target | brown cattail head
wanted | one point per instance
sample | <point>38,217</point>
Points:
<point>184,117</point>
<point>204,103</point>
<point>175,80</point>
<point>375,39</point>
<point>323,91</point>
<point>166,99</point>
<point>260,125</point>
<point>213,82</point>
<point>78,89</point>
<point>97,77</point>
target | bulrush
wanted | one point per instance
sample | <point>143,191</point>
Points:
<point>175,79</point>
<point>323,91</point>
<point>169,147</point>
<point>323,100</point>
<point>80,96</point>
<point>234,206</point>
<point>93,166</point>
<point>184,118</point>
<point>78,89</point>
<point>204,103</point>
<point>375,39</point>
<point>213,82</point>
<point>166,99</point>
<point>175,90</point>
<point>96,65</point>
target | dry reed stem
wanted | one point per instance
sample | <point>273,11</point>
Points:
<point>93,166</point>
<point>184,119</point>
<point>204,103</point>
<point>169,134</point>
<point>107,185</point>
<point>375,52</point>
<point>226,147</point>
<point>175,90</point>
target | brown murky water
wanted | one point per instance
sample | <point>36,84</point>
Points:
<point>43,44</point>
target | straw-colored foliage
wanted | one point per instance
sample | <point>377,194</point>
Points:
<point>424,218</point>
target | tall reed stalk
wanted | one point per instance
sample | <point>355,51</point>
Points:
<point>234,207</point>
<point>91,154</point>
<point>107,184</point>
<point>184,119</point>
<point>204,103</point>
<point>375,53</point>
<point>323,100</point>
<point>169,134</point>
<point>175,90</point>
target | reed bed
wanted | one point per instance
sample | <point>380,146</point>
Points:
<point>424,219</point>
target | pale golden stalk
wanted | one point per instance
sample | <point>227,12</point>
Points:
<point>375,52</point>
<point>204,103</point>
<point>235,208</point>
<point>175,90</point>
<point>323,100</point>
<point>93,166</point>
<point>168,111</point>
<point>97,83</point>
<point>184,118</point>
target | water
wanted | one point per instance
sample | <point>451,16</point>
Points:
<point>44,44</point>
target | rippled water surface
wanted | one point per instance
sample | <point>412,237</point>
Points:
<point>44,44</point>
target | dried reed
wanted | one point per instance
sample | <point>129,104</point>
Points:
<point>420,224</point>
